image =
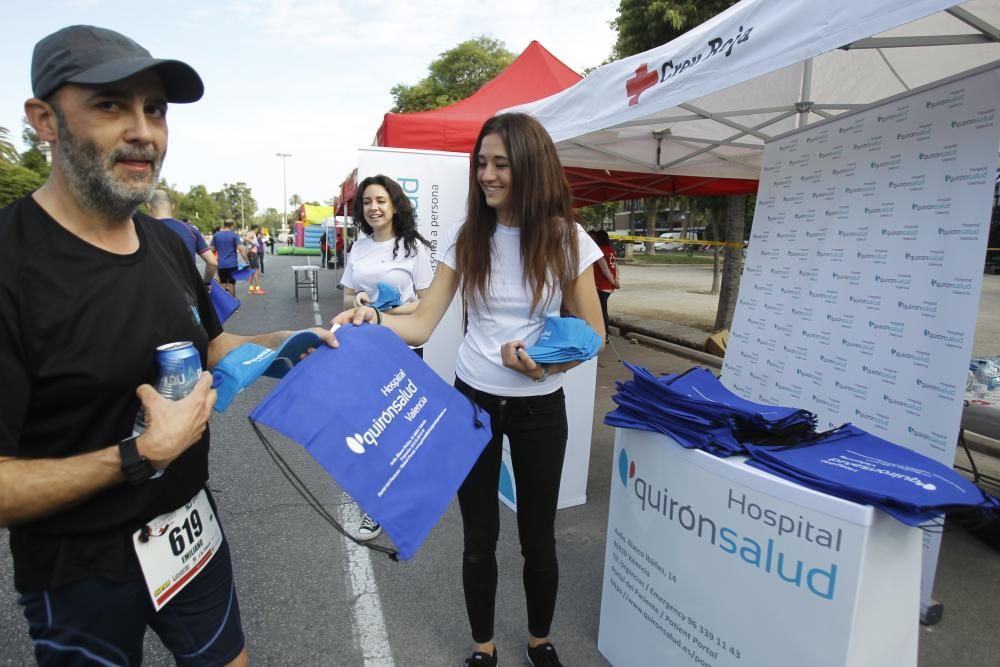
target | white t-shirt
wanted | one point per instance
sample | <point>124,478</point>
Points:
<point>506,316</point>
<point>370,262</point>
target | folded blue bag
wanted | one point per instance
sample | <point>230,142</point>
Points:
<point>388,297</point>
<point>225,304</point>
<point>245,364</point>
<point>384,425</point>
<point>850,462</point>
<point>697,411</point>
<point>565,339</point>
<point>243,273</point>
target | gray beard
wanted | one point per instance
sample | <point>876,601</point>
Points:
<point>88,172</point>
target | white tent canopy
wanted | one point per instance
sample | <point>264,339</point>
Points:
<point>704,104</point>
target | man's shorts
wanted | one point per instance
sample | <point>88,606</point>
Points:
<point>226,275</point>
<point>254,260</point>
<point>103,622</point>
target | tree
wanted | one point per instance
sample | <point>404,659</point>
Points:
<point>238,201</point>
<point>16,182</point>
<point>269,219</point>
<point>733,264</point>
<point>200,208</point>
<point>598,216</point>
<point>8,153</point>
<point>456,74</point>
<point>34,160</point>
<point>645,24</point>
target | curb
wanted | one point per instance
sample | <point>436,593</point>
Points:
<point>679,350</point>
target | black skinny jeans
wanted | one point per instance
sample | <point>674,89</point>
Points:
<point>536,428</point>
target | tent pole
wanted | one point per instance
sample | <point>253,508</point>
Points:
<point>804,102</point>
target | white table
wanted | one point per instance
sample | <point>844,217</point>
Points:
<point>307,276</point>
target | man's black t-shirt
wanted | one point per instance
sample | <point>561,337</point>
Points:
<point>79,328</point>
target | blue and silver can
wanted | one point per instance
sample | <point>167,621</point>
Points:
<point>178,367</point>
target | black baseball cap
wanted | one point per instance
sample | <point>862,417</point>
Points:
<point>90,55</point>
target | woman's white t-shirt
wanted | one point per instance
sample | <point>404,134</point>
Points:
<point>371,262</point>
<point>506,317</point>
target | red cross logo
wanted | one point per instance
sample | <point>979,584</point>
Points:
<point>643,80</point>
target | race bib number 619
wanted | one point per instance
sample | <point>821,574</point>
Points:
<point>174,547</point>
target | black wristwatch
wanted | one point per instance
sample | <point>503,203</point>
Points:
<point>136,468</point>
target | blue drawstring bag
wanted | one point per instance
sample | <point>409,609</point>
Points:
<point>243,270</point>
<point>850,462</point>
<point>565,339</point>
<point>245,364</point>
<point>697,411</point>
<point>384,425</point>
<point>225,304</point>
<point>388,297</point>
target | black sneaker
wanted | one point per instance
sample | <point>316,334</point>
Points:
<point>480,659</point>
<point>543,655</point>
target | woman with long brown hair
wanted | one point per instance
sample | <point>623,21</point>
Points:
<point>518,259</point>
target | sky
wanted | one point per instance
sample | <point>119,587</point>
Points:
<point>305,77</point>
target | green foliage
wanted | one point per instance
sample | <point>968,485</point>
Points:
<point>456,74</point>
<point>8,153</point>
<point>599,216</point>
<point>29,136</point>
<point>238,201</point>
<point>270,218</point>
<point>16,182</point>
<point>645,24</point>
<point>34,160</point>
<point>200,208</point>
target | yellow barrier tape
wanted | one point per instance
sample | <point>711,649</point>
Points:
<point>656,239</point>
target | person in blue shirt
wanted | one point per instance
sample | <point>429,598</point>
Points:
<point>227,244</point>
<point>161,208</point>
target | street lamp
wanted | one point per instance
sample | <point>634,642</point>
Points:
<point>284,188</point>
<point>243,217</point>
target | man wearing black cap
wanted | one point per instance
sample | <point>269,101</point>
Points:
<point>110,532</point>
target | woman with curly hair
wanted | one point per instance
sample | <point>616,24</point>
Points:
<point>517,260</point>
<point>392,256</point>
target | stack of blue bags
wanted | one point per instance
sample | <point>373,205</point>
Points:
<point>565,339</point>
<point>697,411</point>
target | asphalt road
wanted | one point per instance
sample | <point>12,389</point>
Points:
<point>301,587</point>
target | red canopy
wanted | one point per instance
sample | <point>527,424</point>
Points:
<point>534,74</point>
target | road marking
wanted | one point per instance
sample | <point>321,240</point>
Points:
<point>366,610</point>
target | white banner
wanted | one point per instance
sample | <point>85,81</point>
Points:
<point>711,562</point>
<point>437,184</point>
<point>860,292</point>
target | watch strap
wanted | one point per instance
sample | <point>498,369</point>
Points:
<point>136,468</point>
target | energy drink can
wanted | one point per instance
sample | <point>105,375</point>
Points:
<point>178,367</point>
